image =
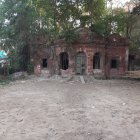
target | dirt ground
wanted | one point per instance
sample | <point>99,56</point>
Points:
<point>39,109</point>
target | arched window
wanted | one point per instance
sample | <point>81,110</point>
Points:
<point>96,61</point>
<point>64,61</point>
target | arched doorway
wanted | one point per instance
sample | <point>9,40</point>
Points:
<point>80,63</point>
<point>64,60</point>
<point>96,61</point>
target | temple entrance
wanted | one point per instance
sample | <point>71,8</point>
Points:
<point>64,61</point>
<point>80,63</point>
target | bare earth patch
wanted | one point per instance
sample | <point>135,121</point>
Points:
<point>38,109</point>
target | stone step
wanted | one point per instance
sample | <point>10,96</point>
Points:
<point>82,79</point>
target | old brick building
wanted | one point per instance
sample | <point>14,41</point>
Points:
<point>91,54</point>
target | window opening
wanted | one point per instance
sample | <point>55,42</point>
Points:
<point>114,64</point>
<point>96,61</point>
<point>44,63</point>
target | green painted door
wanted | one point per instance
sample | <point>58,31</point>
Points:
<point>80,63</point>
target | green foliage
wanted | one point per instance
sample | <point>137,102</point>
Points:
<point>99,28</point>
<point>30,68</point>
<point>19,23</point>
<point>85,20</point>
<point>27,18</point>
<point>121,23</point>
<point>134,43</point>
<point>111,24</point>
<point>95,8</point>
<point>22,20</point>
<point>70,36</point>
<point>15,60</point>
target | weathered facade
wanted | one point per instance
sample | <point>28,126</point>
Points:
<point>91,54</point>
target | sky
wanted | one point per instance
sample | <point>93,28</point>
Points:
<point>121,1</point>
<point>118,3</point>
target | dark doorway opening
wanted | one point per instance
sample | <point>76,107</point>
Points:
<point>131,61</point>
<point>64,61</point>
<point>96,61</point>
<point>44,63</point>
<point>114,63</point>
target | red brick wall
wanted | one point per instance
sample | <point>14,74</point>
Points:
<point>118,53</point>
<point>117,48</point>
<point>89,51</point>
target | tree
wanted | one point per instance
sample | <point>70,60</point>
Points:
<point>135,31</point>
<point>17,26</point>
<point>111,23</point>
<point>22,20</point>
<point>136,10</point>
<point>92,11</point>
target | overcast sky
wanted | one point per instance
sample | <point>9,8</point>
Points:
<point>121,1</point>
<point>118,3</point>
